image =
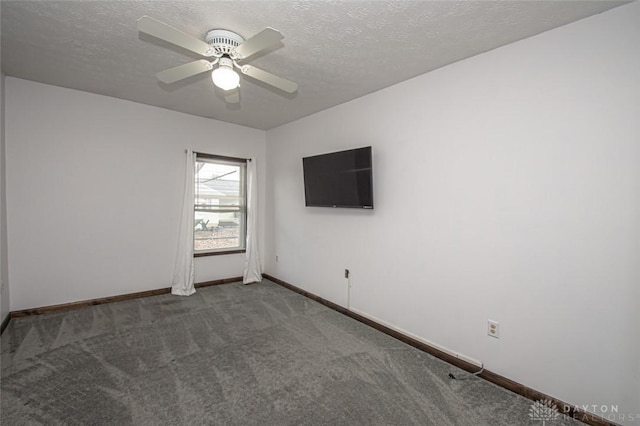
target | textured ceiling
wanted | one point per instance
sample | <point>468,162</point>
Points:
<point>335,50</point>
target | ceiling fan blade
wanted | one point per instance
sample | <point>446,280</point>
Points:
<point>270,79</point>
<point>183,71</point>
<point>232,96</point>
<point>269,37</point>
<point>153,27</point>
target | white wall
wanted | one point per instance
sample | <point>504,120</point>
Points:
<point>4,270</point>
<point>507,188</point>
<point>94,187</point>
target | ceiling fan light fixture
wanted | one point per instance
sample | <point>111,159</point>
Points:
<point>226,48</point>
<point>224,76</point>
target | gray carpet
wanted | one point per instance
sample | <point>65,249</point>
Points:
<point>232,355</point>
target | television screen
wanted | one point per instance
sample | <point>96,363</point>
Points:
<point>339,179</point>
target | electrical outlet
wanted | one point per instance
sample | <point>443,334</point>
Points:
<point>493,329</point>
<point>276,257</point>
<point>346,273</point>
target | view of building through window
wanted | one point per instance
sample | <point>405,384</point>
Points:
<point>220,207</point>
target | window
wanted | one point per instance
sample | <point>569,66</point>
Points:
<point>220,205</point>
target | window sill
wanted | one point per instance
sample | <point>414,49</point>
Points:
<point>217,253</point>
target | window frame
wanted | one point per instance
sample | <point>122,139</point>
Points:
<point>242,162</point>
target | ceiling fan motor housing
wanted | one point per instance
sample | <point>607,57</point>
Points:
<point>223,41</point>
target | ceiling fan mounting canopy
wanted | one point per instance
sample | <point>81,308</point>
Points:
<point>224,41</point>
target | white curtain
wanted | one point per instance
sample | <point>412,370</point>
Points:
<point>183,275</point>
<point>252,271</point>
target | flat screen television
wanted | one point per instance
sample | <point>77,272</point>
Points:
<point>339,179</point>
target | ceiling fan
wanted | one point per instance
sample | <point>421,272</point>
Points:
<point>226,51</point>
